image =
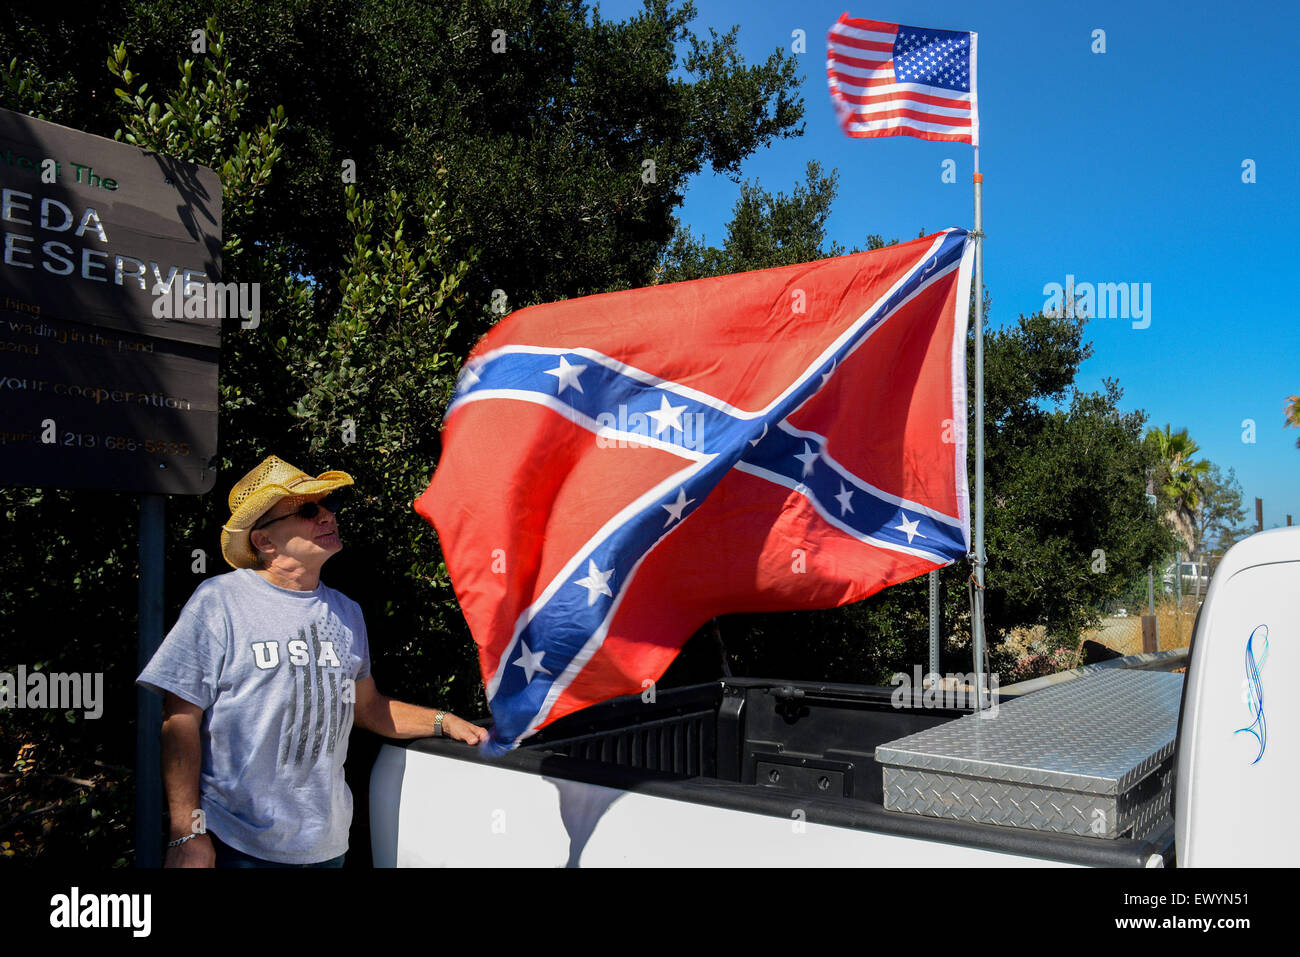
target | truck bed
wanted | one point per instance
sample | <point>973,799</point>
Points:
<point>788,749</point>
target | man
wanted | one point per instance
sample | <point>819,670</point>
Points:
<point>263,676</point>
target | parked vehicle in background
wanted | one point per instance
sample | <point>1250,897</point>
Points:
<point>1195,575</point>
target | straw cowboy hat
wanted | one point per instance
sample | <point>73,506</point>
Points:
<point>257,493</point>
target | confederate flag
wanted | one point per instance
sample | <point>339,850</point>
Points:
<point>619,469</point>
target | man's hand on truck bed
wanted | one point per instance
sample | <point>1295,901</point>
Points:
<point>462,730</point>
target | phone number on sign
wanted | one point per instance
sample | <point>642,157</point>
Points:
<point>125,443</point>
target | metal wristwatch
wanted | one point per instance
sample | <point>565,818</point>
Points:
<point>437,725</point>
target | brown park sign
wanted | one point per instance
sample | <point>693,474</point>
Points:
<point>105,381</point>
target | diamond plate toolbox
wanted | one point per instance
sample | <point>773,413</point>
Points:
<point>1092,756</point>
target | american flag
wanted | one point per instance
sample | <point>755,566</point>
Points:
<point>892,80</point>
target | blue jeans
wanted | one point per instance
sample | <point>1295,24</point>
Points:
<point>227,856</point>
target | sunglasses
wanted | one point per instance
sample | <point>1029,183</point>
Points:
<point>332,502</point>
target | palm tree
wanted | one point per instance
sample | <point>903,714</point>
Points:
<point>1292,413</point>
<point>1179,478</point>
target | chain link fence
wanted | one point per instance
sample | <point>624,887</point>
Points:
<point>1133,626</point>
<point>1122,630</point>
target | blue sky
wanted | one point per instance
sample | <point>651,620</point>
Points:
<point>1122,166</point>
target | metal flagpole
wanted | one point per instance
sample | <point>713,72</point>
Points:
<point>978,647</point>
<point>936,614</point>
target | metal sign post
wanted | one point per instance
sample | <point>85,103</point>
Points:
<point>148,711</point>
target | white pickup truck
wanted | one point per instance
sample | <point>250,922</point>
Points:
<point>1116,767</point>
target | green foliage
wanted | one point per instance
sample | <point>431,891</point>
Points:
<point>67,586</point>
<point>1033,365</point>
<point>382,370</point>
<point>1068,525</point>
<point>764,231</point>
<point>200,123</point>
<point>25,90</point>
<point>1221,515</point>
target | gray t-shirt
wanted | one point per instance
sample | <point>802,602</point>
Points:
<point>274,671</point>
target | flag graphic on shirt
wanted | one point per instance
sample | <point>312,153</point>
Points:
<point>892,80</point>
<point>318,711</point>
<point>619,469</point>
